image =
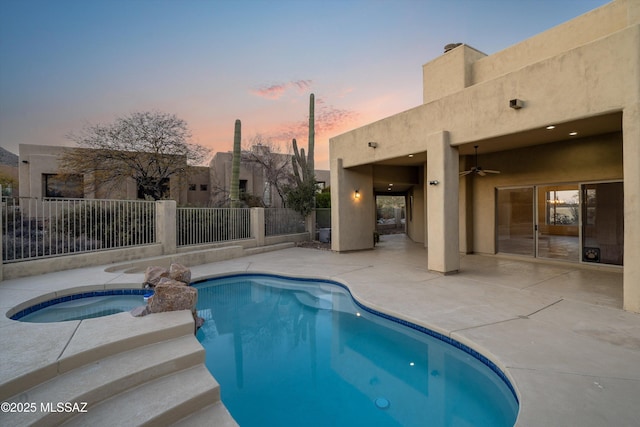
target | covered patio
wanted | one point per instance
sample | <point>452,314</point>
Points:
<point>558,331</point>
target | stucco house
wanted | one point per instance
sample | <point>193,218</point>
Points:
<point>39,176</point>
<point>260,169</point>
<point>555,123</point>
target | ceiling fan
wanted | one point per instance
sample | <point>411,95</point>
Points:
<point>477,169</point>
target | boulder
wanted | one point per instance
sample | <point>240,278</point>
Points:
<point>168,297</point>
<point>171,292</point>
<point>180,273</point>
<point>153,274</point>
<point>169,281</point>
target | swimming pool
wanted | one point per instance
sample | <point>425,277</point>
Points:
<point>85,305</point>
<point>293,352</point>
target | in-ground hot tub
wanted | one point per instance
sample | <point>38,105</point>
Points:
<point>84,305</point>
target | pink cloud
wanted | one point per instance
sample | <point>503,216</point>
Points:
<point>276,91</point>
<point>270,92</point>
<point>328,120</point>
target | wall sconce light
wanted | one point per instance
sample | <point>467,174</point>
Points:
<point>356,195</point>
<point>372,144</point>
<point>434,182</point>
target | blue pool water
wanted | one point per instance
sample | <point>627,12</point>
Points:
<point>292,352</point>
<point>83,306</point>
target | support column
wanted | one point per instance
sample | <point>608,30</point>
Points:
<point>631,167</point>
<point>166,225</point>
<point>257,225</point>
<point>353,207</point>
<point>442,204</point>
<point>465,201</point>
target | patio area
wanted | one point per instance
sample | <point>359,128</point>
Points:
<point>557,330</point>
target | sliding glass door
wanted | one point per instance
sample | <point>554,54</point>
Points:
<point>558,222</point>
<point>515,226</point>
<point>570,222</point>
<point>603,223</point>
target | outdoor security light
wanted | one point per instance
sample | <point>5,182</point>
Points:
<point>516,104</point>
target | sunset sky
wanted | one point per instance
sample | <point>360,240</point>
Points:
<point>68,63</point>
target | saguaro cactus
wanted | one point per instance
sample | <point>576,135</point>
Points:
<point>302,197</point>
<point>235,168</point>
<point>312,134</point>
<point>303,166</point>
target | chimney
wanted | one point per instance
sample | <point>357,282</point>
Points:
<point>450,46</point>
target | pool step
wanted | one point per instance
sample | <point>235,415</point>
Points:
<point>161,402</point>
<point>213,415</point>
<point>137,376</point>
<point>92,340</point>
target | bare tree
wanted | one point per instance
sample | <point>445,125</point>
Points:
<point>150,147</point>
<point>265,155</point>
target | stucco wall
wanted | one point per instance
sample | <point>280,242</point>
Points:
<point>353,220</point>
<point>593,79</point>
<point>584,29</point>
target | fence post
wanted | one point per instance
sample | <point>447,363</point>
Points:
<point>166,225</point>
<point>257,225</point>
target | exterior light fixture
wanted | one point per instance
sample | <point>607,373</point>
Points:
<point>410,155</point>
<point>372,144</point>
<point>434,182</point>
<point>551,127</point>
<point>573,133</point>
<point>516,104</point>
<point>356,195</point>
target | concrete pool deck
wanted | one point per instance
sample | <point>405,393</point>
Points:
<point>557,330</point>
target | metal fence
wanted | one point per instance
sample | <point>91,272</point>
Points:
<point>283,221</point>
<point>40,228</point>
<point>210,225</point>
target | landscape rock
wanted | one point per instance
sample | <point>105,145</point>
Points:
<point>171,292</point>
<point>169,281</point>
<point>169,297</point>
<point>180,273</point>
<point>153,274</point>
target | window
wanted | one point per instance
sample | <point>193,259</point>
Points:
<point>67,186</point>
<point>562,207</point>
<point>203,187</point>
<point>192,187</point>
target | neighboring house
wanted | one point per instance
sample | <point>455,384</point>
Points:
<point>39,176</point>
<point>260,169</point>
<point>199,187</point>
<point>558,115</point>
<point>8,172</point>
